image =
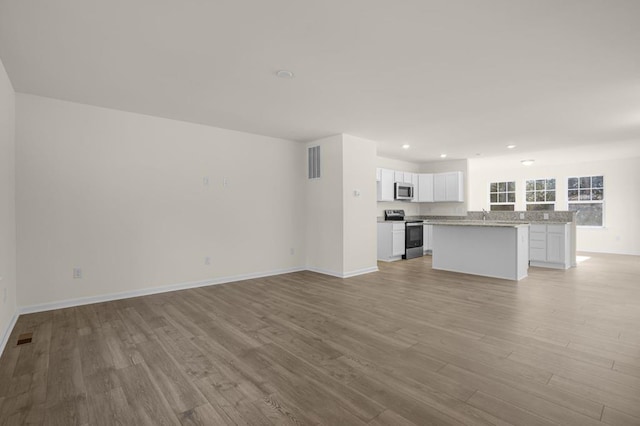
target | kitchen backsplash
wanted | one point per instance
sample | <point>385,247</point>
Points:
<point>537,216</point>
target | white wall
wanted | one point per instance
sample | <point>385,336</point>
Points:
<point>359,200</point>
<point>7,206</point>
<point>621,233</point>
<point>324,207</point>
<point>341,232</point>
<point>121,196</point>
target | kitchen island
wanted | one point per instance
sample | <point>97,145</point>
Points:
<point>491,249</point>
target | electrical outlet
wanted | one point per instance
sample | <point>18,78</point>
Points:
<point>546,216</point>
<point>225,182</point>
<point>77,273</point>
<point>207,260</point>
<point>205,181</point>
<point>521,215</point>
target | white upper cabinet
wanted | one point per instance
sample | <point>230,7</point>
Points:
<point>425,188</point>
<point>407,177</point>
<point>415,181</point>
<point>448,187</point>
<point>385,185</point>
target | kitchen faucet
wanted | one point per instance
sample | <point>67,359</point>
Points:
<point>484,214</point>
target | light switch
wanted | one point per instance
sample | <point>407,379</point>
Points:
<point>356,193</point>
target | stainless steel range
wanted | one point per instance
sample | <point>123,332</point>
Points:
<point>413,237</point>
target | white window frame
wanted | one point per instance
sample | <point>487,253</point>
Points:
<point>508,203</point>
<point>555,203</point>
<point>589,201</point>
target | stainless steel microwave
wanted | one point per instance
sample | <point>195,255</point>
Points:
<point>403,191</point>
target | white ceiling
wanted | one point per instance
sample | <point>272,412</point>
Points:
<point>448,76</point>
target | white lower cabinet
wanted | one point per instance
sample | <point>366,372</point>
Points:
<point>549,246</point>
<point>427,238</point>
<point>391,238</point>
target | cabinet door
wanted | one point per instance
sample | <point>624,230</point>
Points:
<point>398,176</point>
<point>440,187</point>
<point>398,243</point>
<point>454,187</point>
<point>407,177</point>
<point>385,186</point>
<point>378,174</point>
<point>448,187</point>
<point>555,248</point>
<point>415,181</point>
<point>425,187</point>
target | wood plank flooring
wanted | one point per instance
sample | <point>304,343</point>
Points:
<point>404,346</point>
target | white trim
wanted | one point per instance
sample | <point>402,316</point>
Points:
<point>343,275</point>
<point>360,272</point>
<point>7,332</point>
<point>324,271</point>
<point>147,291</point>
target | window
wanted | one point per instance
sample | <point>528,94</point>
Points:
<point>586,197</point>
<point>541,194</point>
<point>502,195</point>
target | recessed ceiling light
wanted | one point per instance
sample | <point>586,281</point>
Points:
<point>284,74</point>
<point>478,154</point>
<point>527,162</point>
<point>406,146</point>
<point>511,146</point>
<point>443,155</point>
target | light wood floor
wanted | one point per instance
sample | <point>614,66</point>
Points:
<point>407,345</point>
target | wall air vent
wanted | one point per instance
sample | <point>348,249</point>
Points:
<point>314,162</point>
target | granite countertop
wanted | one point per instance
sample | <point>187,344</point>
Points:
<point>470,222</point>
<point>487,223</point>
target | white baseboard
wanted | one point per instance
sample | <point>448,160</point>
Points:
<point>324,271</point>
<point>6,333</point>
<point>147,291</point>
<point>340,274</point>
<point>181,286</point>
<point>360,272</point>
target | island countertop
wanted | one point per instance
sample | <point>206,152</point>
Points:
<point>464,222</point>
<point>476,223</point>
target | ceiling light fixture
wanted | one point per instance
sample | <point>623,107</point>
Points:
<point>527,162</point>
<point>511,146</point>
<point>443,155</point>
<point>406,146</point>
<point>284,74</point>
